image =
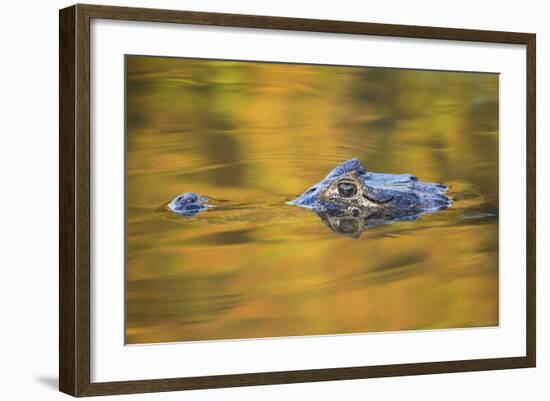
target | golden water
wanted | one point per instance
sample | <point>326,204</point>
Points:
<point>259,134</point>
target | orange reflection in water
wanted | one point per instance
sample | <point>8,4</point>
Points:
<point>258,134</point>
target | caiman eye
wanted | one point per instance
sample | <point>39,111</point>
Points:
<point>347,189</point>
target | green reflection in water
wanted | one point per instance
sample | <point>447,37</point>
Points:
<point>258,134</point>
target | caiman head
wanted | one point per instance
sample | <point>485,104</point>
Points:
<point>350,188</point>
<point>343,189</point>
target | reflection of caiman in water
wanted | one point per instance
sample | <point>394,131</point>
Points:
<point>350,199</point>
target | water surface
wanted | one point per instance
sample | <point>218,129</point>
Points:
<point>255,135</point>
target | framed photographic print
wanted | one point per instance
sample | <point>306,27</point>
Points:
<point>250,200</point>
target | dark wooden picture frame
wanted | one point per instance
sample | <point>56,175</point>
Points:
<point>74,204</point>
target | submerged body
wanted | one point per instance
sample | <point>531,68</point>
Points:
<point>351,199</point>
<point>188,204</point>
